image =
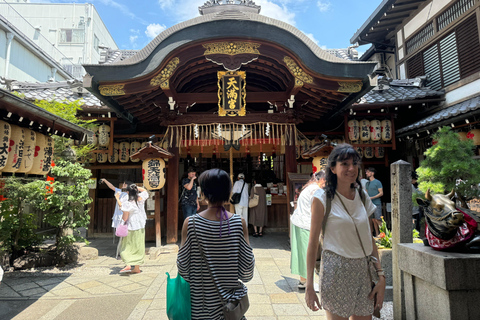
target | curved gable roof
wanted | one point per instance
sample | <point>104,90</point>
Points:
<point>219,25</point>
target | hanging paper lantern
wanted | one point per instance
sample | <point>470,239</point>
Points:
<point>359,151</point>
<point>153,173</point>
<point>375,130</point>
<point>4,142</point>
<point>462,136</point>
<point>379,152</point>
<point>319,163</point>
<point>124,151</point>
<point>475,136</point>
<point>114,157</point>
<point>103,135</point>
<point>92,157</point>
<point>364,130</point>
<point>386,130</point>
<point>43,155</point>
<point>102,157</point>
<point>134,147</point>
<point>28,151</point>
<point>368,152</point>
<point>353,130</point>
<point>15,149</point>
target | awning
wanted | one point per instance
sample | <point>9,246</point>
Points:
<point>18,111</point>
<point>447,116</point>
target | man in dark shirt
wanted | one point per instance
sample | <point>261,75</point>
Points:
<point>189,196</point>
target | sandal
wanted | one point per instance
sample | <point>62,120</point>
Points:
<point>127,269</point>
<point>255,234</point>
<point>260,234</point>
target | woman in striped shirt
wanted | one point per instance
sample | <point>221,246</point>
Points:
<point>223,237</point>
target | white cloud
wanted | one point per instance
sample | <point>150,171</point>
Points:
<point>167,3</point>
<point>275,11</point>
<point>310,35</point>
<point>136,31</point>
<point>323,6</point>
<point>123,9</point>
<point>133,41</point>
<point>154,30</point>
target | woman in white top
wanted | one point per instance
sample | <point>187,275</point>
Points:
<point>132,249</point>
<point>345,286</point>
<point>300,227</point>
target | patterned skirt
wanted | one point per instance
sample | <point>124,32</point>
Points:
<point>345,285</point>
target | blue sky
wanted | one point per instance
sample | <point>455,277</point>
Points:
<point>329,23</point>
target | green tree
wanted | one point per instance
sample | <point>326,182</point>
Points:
<point>449,165</point>
<point>18,221</point>
<point>65,204</point>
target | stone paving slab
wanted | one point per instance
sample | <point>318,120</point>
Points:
<point>95,290</point>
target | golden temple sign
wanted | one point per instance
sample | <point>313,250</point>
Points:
<point>231,93</point>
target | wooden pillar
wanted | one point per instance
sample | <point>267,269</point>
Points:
<point>158,229</point>
<point>172,194</point>
<point>92,193</point>
<point>290,166</point>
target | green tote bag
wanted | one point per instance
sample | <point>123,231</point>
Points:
<point>179,306</point>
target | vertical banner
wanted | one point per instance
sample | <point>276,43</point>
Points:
<point>231,93</point>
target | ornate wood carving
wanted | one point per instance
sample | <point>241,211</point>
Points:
<point>162,79</point>
<point>350,86</point>
<point>232,62</point>
<point>112,90</point>
<point>297,72</point>
<point>231,48</point>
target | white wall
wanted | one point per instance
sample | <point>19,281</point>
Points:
<point>24,65</point>
<point>468,90</point>
<point>423,16</point>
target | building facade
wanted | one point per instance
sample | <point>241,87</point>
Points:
<point>73,34</point>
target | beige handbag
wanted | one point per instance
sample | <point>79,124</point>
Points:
<point>253,202</point>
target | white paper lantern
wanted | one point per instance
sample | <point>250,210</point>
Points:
<point>5,131</point>
<point>359,151</point>
<point>15,149</point>
<point>386,130</point>
<point>114,157</point>
<point>124,152</point>
<point>375,130</point>
<point>153,173</point>
<point>368,153</point>
<point>353,130</point>
<point>134,147</point>
<point>319,163</point>
<point>102,157</point>
<point>28,151</point>
<point>379,152</point>
<point>364,130</point>
<point>104,135</point>
<point>92,157</point>
<point>43,155</point>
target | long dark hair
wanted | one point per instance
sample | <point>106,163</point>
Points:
<point>340,153</point>
<point>216,186</point>
<point>132,190</point>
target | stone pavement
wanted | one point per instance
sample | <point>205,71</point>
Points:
<point>94,289</point>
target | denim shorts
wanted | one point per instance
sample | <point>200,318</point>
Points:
<point>377,214</point>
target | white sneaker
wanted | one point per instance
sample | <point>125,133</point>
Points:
<point>316,287</point>
<point>301,285</point>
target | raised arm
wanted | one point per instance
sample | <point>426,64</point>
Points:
<point>107,183</point>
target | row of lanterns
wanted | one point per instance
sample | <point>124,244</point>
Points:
<point>24,151</point>
<point>121,152</point>
<point>366,130</point>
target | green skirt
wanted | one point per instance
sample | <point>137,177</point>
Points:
<point>132,249</point>
<point>299,245</point>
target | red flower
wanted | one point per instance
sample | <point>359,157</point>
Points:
<point>470,135</point>
<point>382,235</point>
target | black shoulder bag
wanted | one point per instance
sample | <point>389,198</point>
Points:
<point>235,199</point>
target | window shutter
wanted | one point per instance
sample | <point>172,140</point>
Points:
<point>449,58</point>
<point>468,46</point>
<point>415,66</point>
<point>431,65</point>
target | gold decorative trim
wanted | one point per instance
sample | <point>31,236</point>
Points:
<point>297,72</point>
<point>112,90</point>
<point>243,110</point>
<point>162,78</point>
<point>350,87</point>
<point>231,48</point>
<point>298,83</point>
